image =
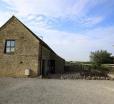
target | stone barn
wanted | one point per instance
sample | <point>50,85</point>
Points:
<point>21,50</point>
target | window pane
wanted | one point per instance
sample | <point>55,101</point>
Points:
<point>7,43</point>
<point>12,43</point>
<point>12,49</point>
<point>10,46</point>
<point>8,50</point>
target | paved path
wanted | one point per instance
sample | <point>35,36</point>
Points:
<point>38,91</point>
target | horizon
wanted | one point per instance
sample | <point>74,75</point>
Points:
<point>71,28</point>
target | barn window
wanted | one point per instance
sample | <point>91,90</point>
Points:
<point>9,46</point>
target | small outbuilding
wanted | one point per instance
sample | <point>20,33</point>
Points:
<point>22,52</point>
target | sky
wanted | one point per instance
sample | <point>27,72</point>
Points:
<point>72,28</point>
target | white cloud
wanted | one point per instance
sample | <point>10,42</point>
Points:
<point>53,8</point>
<point>71,46</point>
<point>75,11</point>
<point>89,21</point>
<point>26,7</point>
<point>78,8</point>
<point>77,46</point>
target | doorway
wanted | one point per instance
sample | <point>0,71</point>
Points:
<point>44,68</point>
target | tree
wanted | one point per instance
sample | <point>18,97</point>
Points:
<point>100,57</point>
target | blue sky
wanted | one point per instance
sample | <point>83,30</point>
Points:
<point>72,28</point>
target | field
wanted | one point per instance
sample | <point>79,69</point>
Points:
<point>51,91</point>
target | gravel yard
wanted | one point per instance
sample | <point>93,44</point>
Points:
<point>50,91</point>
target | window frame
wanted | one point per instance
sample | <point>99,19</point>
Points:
<point>9,46</point>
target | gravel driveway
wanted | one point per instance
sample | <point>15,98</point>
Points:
<point>44,91</point>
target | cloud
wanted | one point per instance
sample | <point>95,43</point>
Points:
<point>74,11</point>
<point>89,21</point>
<point>77,46</point>
<point>48,18</point>
<point>51,8</point>
<point>48,7</point>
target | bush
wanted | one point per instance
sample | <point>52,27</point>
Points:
<point>100,57</point>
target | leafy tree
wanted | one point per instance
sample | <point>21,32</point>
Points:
<point>100,57</point>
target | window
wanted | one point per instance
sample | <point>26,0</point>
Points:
<point>10,46</point>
